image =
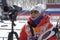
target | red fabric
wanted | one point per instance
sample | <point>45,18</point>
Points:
<point>23,35</point>
<point>44,20</point>
<point>53,38</point>
<point>50,26</point>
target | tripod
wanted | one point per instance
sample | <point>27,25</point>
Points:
<point>10,36</point>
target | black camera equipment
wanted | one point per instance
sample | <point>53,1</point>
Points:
<point>12,18</point>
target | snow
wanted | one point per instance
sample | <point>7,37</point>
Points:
<point>5,28</point>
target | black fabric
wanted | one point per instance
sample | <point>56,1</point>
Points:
<point>31,29</point>
<point>33,24</point>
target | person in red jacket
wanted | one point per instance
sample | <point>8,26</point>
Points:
<point>36,25</point>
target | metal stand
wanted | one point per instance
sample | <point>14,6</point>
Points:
<point>10,36</point>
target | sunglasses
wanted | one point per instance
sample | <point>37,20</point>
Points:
<point>34,11</point>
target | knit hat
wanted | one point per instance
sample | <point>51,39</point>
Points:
<point>39,7</point>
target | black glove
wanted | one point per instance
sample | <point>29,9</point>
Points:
<point>55,30</point>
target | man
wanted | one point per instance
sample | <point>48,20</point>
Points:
<point>37,24</point>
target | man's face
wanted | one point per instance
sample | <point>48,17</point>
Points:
<point>34,14</point>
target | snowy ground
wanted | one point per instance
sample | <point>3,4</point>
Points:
<point>5,28</point>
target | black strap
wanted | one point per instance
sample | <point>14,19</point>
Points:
<point>32,24</point>
<point>31,29</point>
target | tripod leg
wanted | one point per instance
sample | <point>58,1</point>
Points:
<point>10,36</point>
<point>16,35</point>
<point>14,24</point>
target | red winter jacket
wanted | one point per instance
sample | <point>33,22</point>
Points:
<point>45,19</point>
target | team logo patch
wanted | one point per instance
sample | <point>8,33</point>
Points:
<point>43,27</point>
